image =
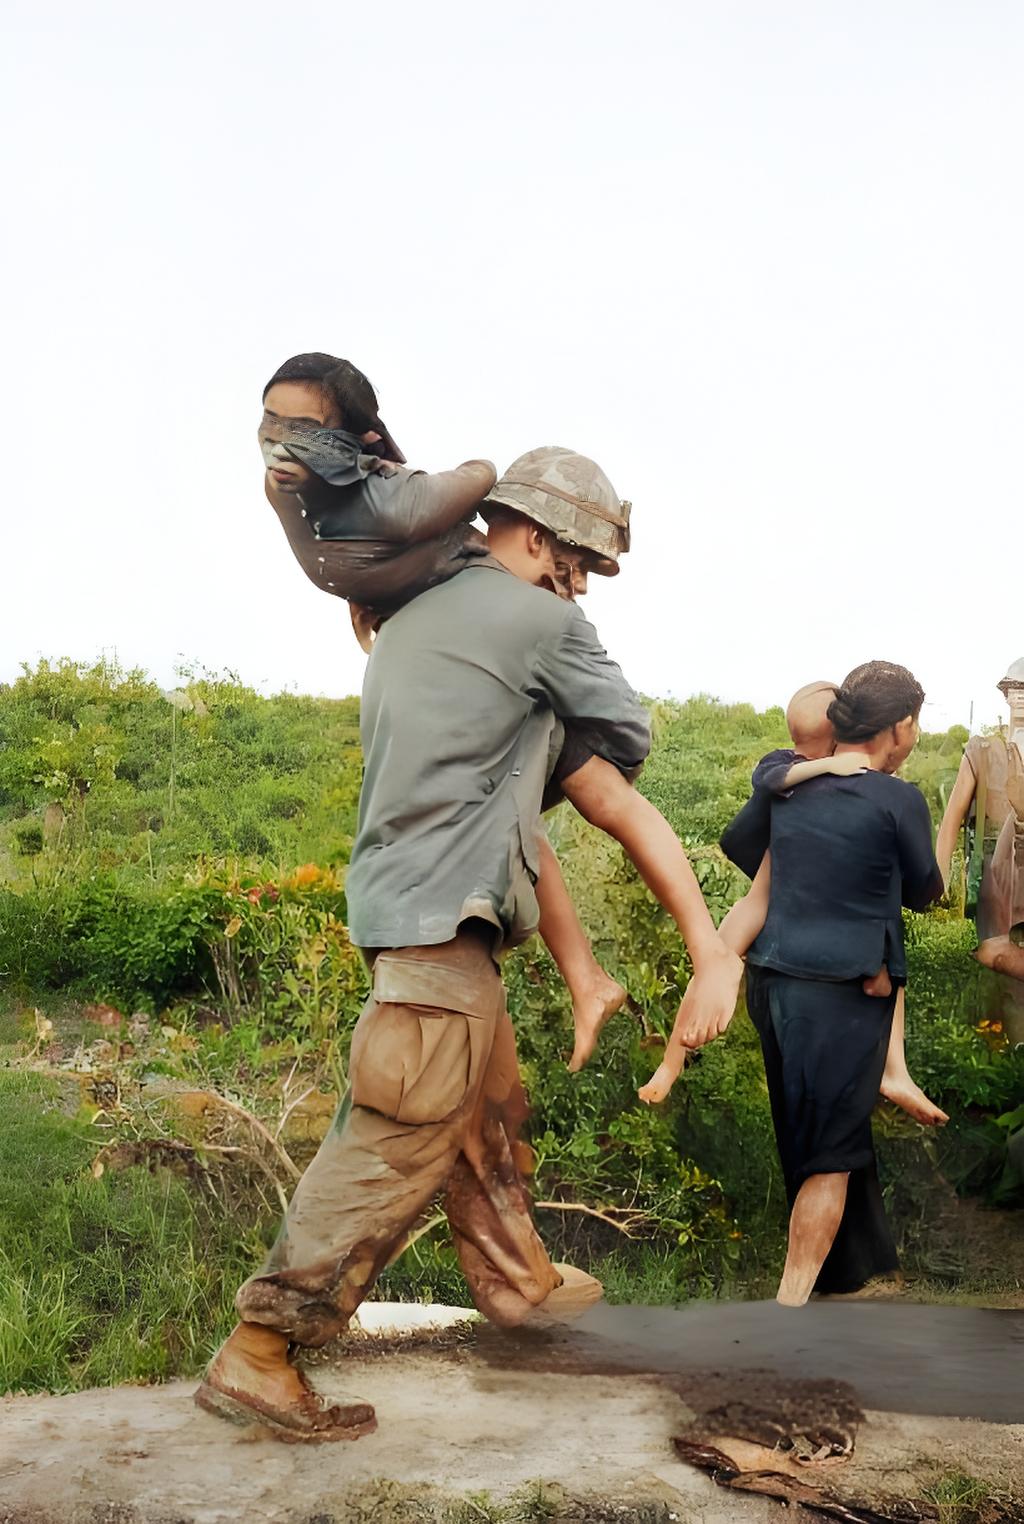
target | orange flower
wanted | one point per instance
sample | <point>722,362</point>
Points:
<point>307,874</point>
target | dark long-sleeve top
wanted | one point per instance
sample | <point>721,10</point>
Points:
<point>847,854</point>
<point>745,839</point>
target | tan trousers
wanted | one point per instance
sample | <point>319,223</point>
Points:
<point>435,1102</point>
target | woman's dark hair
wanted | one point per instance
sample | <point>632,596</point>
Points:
<point>873,698</point>
<point>346,387</point>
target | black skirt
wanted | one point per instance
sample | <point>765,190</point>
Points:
<point>824,1047</point>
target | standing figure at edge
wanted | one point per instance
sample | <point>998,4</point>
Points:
<point>991,779</point>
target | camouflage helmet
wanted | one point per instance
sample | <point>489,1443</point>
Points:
<point>1014,677</point>
<point>571,496</point>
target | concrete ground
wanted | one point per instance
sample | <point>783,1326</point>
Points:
<point>469,1419</point>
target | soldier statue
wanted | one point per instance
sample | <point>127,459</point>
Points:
<point>989,794</point>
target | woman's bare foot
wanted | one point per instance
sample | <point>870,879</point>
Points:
<point>591,1009</point>
<point>787,1298</point>
<point>898,1087</point>
<point>251,1380</point>
<point>659,1084</point>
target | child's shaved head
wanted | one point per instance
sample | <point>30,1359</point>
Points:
<point>808,721</point>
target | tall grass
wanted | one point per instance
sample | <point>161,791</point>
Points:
<point>128,1277</point>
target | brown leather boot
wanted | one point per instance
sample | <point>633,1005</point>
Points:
<point>251,1380</point>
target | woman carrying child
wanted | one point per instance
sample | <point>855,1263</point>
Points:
<point>846,854</point>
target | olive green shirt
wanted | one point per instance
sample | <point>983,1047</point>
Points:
<point>463,691</point>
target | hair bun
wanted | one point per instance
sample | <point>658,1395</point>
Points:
<point>871,699</point>
<point>841,710</point>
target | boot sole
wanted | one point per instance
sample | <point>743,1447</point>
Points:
<point>219,1403</point>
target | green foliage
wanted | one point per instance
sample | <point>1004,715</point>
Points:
<point>104,938</point>
<point>942,975</point>
<point>589,1133</point>
<point>699,773</point>
<point>150,781</point>
<point>196,864</point>
<point>29,838</point>
<point>957,1496</point>
<point>280,950</point>
<point>130,1276</point>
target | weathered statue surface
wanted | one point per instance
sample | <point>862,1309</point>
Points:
<point>990,789</point>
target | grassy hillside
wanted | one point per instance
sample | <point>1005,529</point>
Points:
<point>175,974</point>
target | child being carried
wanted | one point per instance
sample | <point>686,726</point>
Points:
<point>365,529</point>
<point>360,526</point>
<point>745,841</point>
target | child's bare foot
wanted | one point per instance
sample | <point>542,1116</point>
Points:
<point>879,984</point>
<point>590,1011</point>
<point>659,1084</point>
<point>898,1087</point>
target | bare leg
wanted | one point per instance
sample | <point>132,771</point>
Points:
<point>813,1225</point>
<point>746,917</point>
<point>897,1085</point>
<point>668,1071</point>
<point>1003,955</point>
<point>603,797</point>
<point>595,994</point>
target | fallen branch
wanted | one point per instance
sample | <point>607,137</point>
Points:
<point>623,1219</point>
<point>126,1152</point>
<point>287,1163</point>
<point>286,1113</point>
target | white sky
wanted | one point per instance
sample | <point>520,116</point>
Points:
<point>763,261</point>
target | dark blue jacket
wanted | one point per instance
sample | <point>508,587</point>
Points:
<point>745,840</point>
<point>847,854</point>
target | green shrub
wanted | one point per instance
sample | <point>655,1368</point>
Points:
<point>128,1277</point>
<point>29,838</point>
<point>175,881</point>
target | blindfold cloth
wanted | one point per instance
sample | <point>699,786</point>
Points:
<point>348,387</point>
<point>337,457</point>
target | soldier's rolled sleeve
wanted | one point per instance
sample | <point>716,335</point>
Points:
<point>586,688</point>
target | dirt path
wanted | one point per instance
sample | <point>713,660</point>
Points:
<point>464,1414</point>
